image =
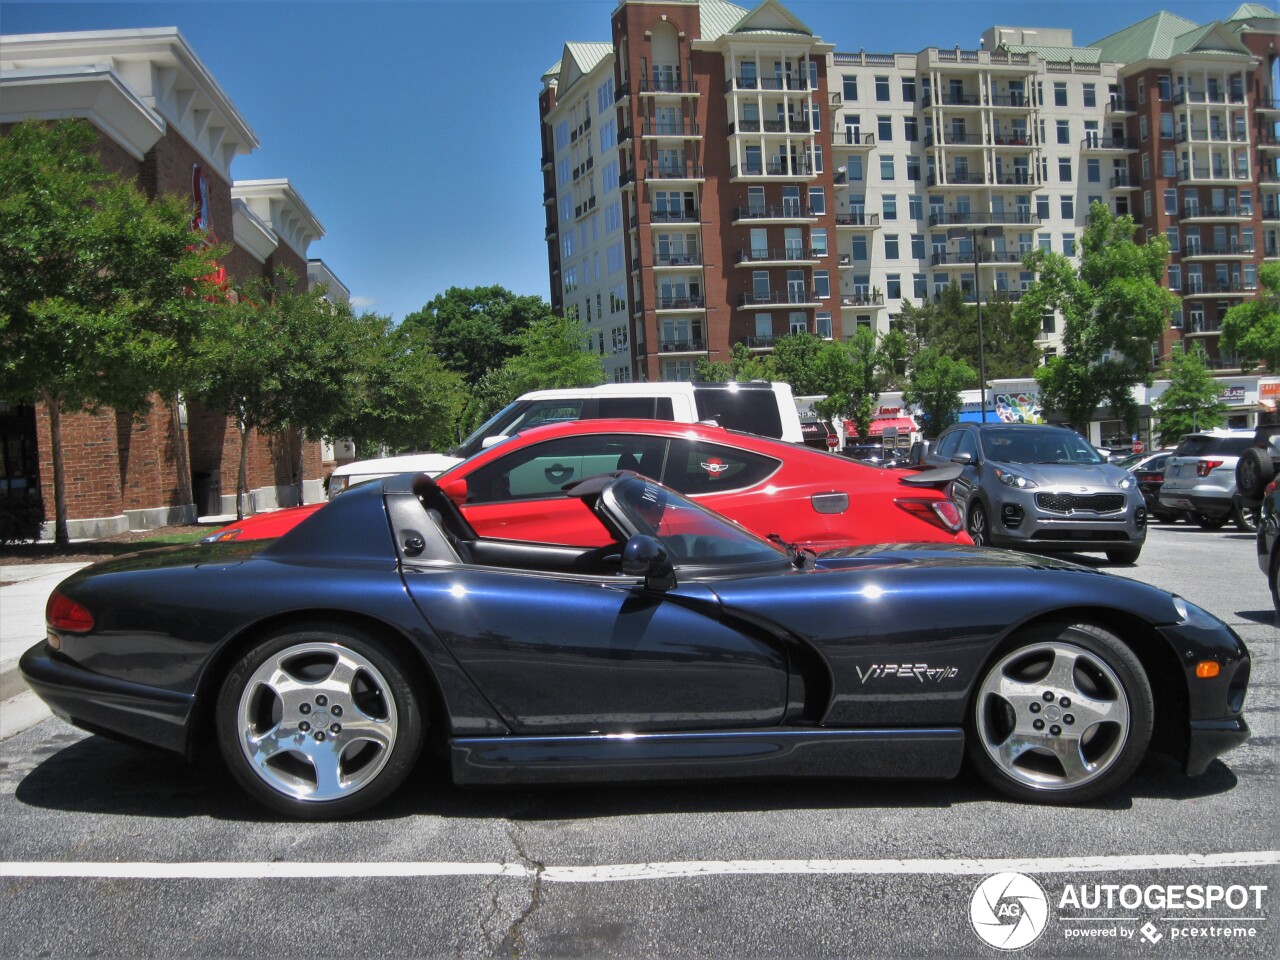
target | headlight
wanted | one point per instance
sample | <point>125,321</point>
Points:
<point>1128,483</point>
<point>1011,479</point>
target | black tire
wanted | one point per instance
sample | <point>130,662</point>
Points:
<point>1246,516</point>
<point>1062,677</point>
<point>1125,554</point>
<point>976,525</point>
<point>319,721</point>
<point>1206,522</point>
<point>1254,470</point>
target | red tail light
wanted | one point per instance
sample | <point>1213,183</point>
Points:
<point>1206,467</point>
<point>941,513</point>
<point>67,615</point>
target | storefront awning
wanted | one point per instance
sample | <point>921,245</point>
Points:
<point>904,425</point>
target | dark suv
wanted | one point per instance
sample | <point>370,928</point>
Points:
<point>1043,489</point>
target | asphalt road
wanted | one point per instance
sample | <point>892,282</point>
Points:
<point>174,862</point>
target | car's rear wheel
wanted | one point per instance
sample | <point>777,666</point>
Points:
<point>976,524</point>
<point>1063,715</point>
<point>1246,516</point>
<point>1206,522</point>
<point>1125,554</point>
<point>1254,470</point>
<point>319,722</point>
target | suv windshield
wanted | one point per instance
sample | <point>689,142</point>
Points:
<point>1018,445</point>
<point>516,416</point>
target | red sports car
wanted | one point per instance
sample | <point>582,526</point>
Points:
<point>514,489</point>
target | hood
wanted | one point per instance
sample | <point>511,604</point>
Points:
<point>1069,476</point>
<point>886,555</point>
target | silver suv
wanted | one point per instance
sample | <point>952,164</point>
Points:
<point>1200,478</point>
<point>1044,489</point>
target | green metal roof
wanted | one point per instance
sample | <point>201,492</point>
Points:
<point>1254,11</point>
<point>1152,38</point>
<point>588,56</point>
<point>719,17</point>
<point>1057,54</point>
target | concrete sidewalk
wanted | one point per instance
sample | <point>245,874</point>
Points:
<point>24,590</point>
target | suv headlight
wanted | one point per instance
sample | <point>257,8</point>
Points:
<point>1127,482</point>
<point>1011,479</point>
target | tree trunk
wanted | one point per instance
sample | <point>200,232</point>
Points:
<point>182,456</point>
<point>242,480</point>
<point>60,534</point>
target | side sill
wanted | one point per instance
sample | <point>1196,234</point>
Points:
<point>934,753</point>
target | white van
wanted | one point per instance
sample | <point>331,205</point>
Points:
<point>767,409</point>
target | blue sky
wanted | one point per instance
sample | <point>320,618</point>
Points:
<point>410,128</point>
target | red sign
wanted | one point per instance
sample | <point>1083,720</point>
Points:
<point>1139,446</point>
<point>832,441</point>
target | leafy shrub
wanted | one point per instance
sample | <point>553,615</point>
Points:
<point>21,518</point>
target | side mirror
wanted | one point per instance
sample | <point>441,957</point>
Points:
<point>488,442</point>
<point>646,557</point>
<point>455,490</point>
<point>963,458</point>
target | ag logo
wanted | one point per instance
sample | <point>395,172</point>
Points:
<point>1009,911</point>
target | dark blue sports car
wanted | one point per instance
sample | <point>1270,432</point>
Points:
<point>321,662</point>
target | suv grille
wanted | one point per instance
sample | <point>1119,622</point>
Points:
<point>1070,502</point>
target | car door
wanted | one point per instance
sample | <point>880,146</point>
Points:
<point>520,496</point>
<point>564,654</point>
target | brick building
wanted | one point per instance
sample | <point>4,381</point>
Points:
<point>163,120</point>
<point>715,175</point>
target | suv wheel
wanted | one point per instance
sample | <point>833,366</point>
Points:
<point>1245,515</point>
<point>977,525</point>
<point>1254,470</point>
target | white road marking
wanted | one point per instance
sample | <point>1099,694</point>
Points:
<point>612,873</point>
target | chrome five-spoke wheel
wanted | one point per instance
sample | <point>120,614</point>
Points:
<point>1062,719</point>
<point>317,724</point>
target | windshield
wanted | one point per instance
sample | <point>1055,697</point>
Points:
<point>1038,446</point>
<point>691,534</point>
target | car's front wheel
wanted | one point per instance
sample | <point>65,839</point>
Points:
<point>319,722</point>
<point>1126,554</point>
<point>1064,715</point>
<point>976,524</point>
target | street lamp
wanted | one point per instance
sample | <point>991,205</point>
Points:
<point>959,233</point>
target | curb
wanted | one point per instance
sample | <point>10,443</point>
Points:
<point>11,682</point>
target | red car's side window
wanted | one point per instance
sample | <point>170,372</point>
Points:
<point>696,467</point>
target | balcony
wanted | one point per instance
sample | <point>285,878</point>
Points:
<point>1270,212</point>
<point>680,303</point>
<point>1188,173</point>
<point>982,217</point>
<point>778,255</point>
<point>1120,105</point>
<point>682,346</point>
<point>583,168</point>
<point>862,298</point>
<point>1120,180</point>
<point>1267,140</point>
<point>1017,141</point>
<point>1226,212</point>
<point>658,129</point>
<point>786,212</point>
<point>784,84</point>
<point>1201,96</point>
<point>780,298</point>
<point>673,216</point>
<point>1108,144</point>
<point>956,180</point>
<point>674,171</point>
<point>850,137</point>
<point>1271,251</point>
<point>950,100</point>
<point>582,209</point>
<point>791,125</point>
<point>548,197</point>
<point>650,86</point>
<point>1216,289</point>
<point>857,219</point>
<point>953,140</point>
<point>758,342</point>
<point>777,168</point>
<point>1267,105</point>
<point>1015,101</point>
<point>678,258</point>
<point>1193,251</point>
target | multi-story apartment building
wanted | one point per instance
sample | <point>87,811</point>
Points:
<point>715,175</point>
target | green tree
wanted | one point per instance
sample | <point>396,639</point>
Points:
<point>477,329</point>
<point>1252,329</point>
<point>854,372</point>
<point>1193,400</point>
<point>101,289</point>
<point>548,354</point>
<point>402,396</point>
<point>741,365</point>
<point>795,361</point>
<point>934,383</point>
<point>1113,309</point>
<point>950,325</point>
<point>276,358</point>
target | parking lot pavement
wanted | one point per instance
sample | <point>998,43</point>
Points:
<point>24,590</point>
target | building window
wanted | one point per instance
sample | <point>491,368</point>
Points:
<point>1170,201</point>
<point>913,168</point>
<point>882,89</point>
<point>1064,131</point>
<point>1060,93</point>
<point>884,128</point>
<point>1175,276</point>
<point>1093,170</point>
<point>915,207</point>
<point>1172,235</point>
<point>893,286</point>
<point>919,286</point>
<point>886,168</point>
<point>850,88</point>
<point>1064,169</point>
<point>890,206</point>
<point>891,246</point>
<point>823,325</point>
<point>1069,244</point>
<point>1068,207</point>
<point>917,246</point>
<point>817,200</point>
<point>911,127</point>
<point>1090,95</point>
<point>1042,208</point>
<point>822,284</point>
<point>909,89</point>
